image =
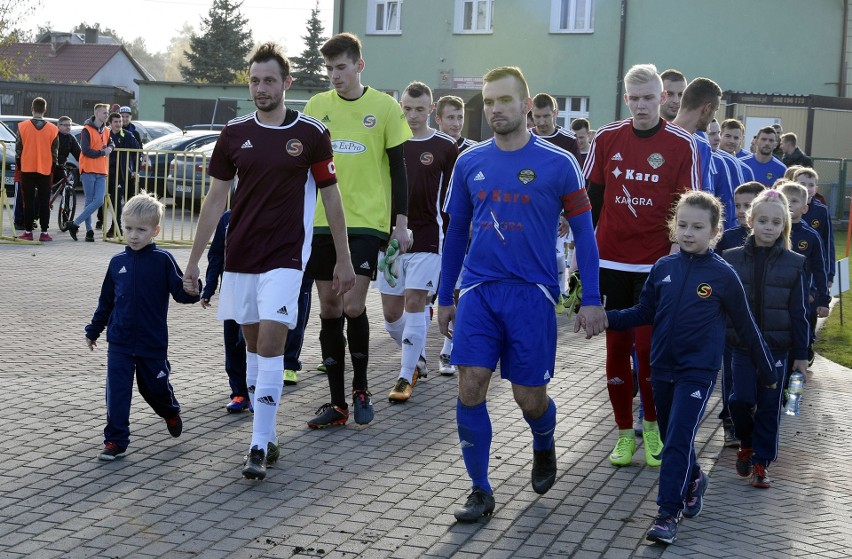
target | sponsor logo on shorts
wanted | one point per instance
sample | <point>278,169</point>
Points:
<point>294,147</point>
<point>283,310</point>
<point>247,144</point>
<point>123,270</point>
<point>547,375</point>
<point>429,284</point>
<point>347,146</point>
<point>617,157</point>
<point>161,374</point>
<point>704,290</point>
<point>427,158</point>
<point>268,400</point>
<point>369,121</point>
<point>696,394</point>
<point>465,444</point>
<point>803,245</point>
<point>250,389</point>
<point>480,176</point>
<point>526,176</point>
<point>656,160</point>
<point>365,266</point>
<point>667,279</point>
<point>615,381</point>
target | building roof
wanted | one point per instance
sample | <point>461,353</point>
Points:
<point>63,62</point>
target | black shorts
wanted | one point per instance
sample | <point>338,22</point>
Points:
<point>364,250</point>
<point>621,289</point>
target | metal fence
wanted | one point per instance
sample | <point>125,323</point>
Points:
<point>178,178</point>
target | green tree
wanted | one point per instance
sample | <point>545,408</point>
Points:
<point>309,68</point>
<point>176,53</point>
<point>220,51</point>
<point>12,12</point>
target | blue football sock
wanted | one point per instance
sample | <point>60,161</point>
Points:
<point>474,426</point>
<point>543,427</point>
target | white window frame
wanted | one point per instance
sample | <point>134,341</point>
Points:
<point>556,9</point>
<point>566,116</point>
<point>487,25</point>
<point>385,8</point>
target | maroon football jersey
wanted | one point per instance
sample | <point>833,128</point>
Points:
<point>279,169</point>
<point>429,164</point>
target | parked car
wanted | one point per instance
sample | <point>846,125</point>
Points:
<point>188,181</point>
<point>150,130</point>
<point>204,127</point>
<point>158,154</point>
<point>8,149</point>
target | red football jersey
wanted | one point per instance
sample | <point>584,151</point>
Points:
<point>642,178</point>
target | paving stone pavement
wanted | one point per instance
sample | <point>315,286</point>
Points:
<point>383,490</point>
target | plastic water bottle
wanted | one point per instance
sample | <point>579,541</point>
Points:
<point>794,393</point>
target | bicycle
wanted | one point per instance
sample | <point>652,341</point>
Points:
<point>63,189</point>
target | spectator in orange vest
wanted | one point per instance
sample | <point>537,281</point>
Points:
<point>95,147</point>
<point>36,150</point>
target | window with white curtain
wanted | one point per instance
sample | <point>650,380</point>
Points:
<point>384,17</point>
<point>572,16</point>
<point>474,16</point>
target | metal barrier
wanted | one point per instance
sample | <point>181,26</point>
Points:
<point>832,185</point>
<point>8,233</point>
<point>178,178</point>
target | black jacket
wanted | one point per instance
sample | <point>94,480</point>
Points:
<point>797,158</point>
<point>783,318</point>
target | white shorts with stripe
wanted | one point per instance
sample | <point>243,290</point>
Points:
<point>417,270</point>
<point>250,298</point>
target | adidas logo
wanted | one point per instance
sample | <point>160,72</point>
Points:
<point>617,157</point>
<point>247,144</point>
<point>778,364</point>
<point>325,119</point>
<point>696,394</point>
<point>365,265</point>
<point>283,310</point>
<point>162,373</point>
<point>406,341</point>
<point>479,176</point>
<point>268,400</point>
<point>251,389</point>
<point>615,381</point>
<point>667,279</point>
<point>429,284</point>
<point>547,375</point>
<point>123,270</point>
<point>465,444</point>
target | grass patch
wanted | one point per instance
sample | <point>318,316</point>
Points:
<point>834,341</point>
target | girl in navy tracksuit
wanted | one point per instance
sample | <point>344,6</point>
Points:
<point>687,297</point>
<point>132,307</point>
<point>774,279</point>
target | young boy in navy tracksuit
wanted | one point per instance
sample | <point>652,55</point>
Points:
<point>734,237</point>
<point>132,307</point>
<point>687,297</point>
<point>235,344</point>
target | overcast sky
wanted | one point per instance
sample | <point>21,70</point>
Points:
<point>157,21</point>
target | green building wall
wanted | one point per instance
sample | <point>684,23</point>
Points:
<point>770,46</point>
